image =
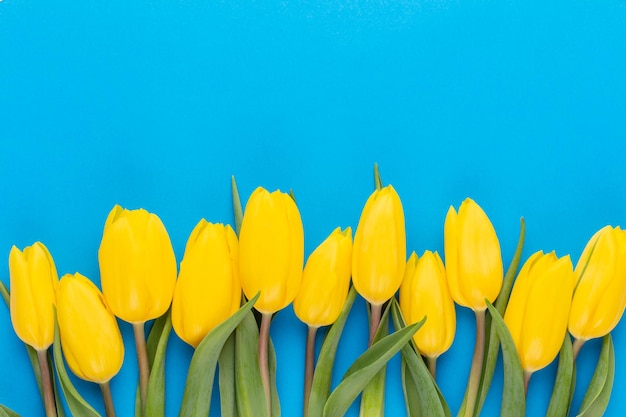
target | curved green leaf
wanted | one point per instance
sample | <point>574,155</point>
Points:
<point>155,401</point>
<point>561,399</point>
<point>513,394</point>
<point>378,183</point>
<point>226,364</point>
<point>75,402</point>
<point>197,394</point>
<point>320,389</point>
<point>410,391</point>
<point>422,395</point>
<point>492,341</point>
<point>373,397</point>
<point>598,393</point>
<point>250,395</point>
<point>7,412</point>
<point>237,209</point>
<point>364,368</point>
<point>271,363</point>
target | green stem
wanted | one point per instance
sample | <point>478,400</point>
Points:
<point>309,367</point>
<point>527,376</point>
<point>142,361</point>
<point>376,310</point>
<point>431,361</point>
<point>264,336</point>
<point>477,364</point>
<point>46,381</point>
<point>578,343</point>
<point>107,398</point>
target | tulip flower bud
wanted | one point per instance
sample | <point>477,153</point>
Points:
<point>537,312</point>
<point>600,295</point>
<point>90,337</point>
<point>424,292</point>
<point>379,252</point>
<point>271,250</point>
<point>34,281</point>
<point>137,265</point>
<point>208,290</point>
<point>325,280</point>
<point>473,260</point>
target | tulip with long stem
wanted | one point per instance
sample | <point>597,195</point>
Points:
<point>475,273</point>
<point>271,256</point>
<point>34,281</point>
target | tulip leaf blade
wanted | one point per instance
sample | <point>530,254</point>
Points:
<point>320,388</point>
<point>561,393</point>
<point>155,401</point>
<point>513,393</point>
<point>373,397</point>
<point>226,364</point>
<point>272,369</point>
<point>7,412</point>
<point>364,368</point>
<point>492,341</point>
<point>237,208</point>
<point>598,393</point>
<point>378,183</point>
<point>418,382</point>
<point>197,394</point>
<point>250,394</point>
<point>75,402</point>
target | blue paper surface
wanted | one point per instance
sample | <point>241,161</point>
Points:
<point>155,104</point>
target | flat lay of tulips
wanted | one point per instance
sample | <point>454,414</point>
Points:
<point>533,312</point>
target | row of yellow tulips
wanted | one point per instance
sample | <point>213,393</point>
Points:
<point>140,281</point>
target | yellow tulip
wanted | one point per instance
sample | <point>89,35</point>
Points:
<point>473,260</point>
<point>379,252</point>
<point>34,280</point>
<point>325,280</point>
<point>539,307</point>
<point>271,250</point>
<point>424,292</point>
<point>90,337</point>
<point>137,265</point>
<point>208,290</point>
<point>600,295</point>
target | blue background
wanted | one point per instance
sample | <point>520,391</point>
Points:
<point>520,105</point>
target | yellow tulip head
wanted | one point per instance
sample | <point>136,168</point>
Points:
<point>473,260</point>
<point>90,337</point>
<point>379,252</point>
<point>271,250</point>
<point>137,265</point>
<point>325,280</point>
<point>34,281</point>
<point>600,295</point>
<point>424,292</point>
<point>539,307</point>
<point>208,290</point>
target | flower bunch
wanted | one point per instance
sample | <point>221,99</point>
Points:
<point>221,299</point>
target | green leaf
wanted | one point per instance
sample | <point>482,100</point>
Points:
<point>364,368</point>
<point>492,341</point>
<point>237,209</point>
<point>156,346</point>
<point>226,363</point>
<point>410,391</point>
<point>320,389</point>
<point>598,393</point>
<point>5,294</point>
<point>7,412</point>
<point>373,398</point>
<point>75,402</point>
<point>422,394</point>
<point>513,393</point>
<point>561,399</point>
<point>197,394</point>
<point>249,385</point>
<point>378,183</point>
